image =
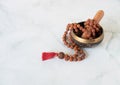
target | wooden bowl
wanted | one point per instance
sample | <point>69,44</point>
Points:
<point>87,42</point>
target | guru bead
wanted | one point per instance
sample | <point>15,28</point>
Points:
<point>61,55</point>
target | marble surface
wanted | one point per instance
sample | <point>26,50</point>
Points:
<point>29,27</point>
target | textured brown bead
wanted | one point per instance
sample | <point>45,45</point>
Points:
<point>68,45</point>
<point>86,34</point>
<point>97,29</point>
<point>98,25</point>
<point>68,25</point>
<point>76,30</point>
<point>87,26</point>
<point>83,56</point>
<point>75,48</point>
<point>61,55</point>
<point>65,32</point>
<point>70,28</point>
<point>85,23</point>
<point>93,34</point>
<point>71,25</point>
<point>75,55</point>
<point>94,26</point>
<point>67,29</point>
<point>67,57</point>
<point>81,51</point>
<point>71,47</point>
<point>80,28</point>
<point>78,58</point>
<point>74,44</point>
<point>75,24</point>
<point>83,30</point>
<point>78,25</point>
<point>88,20</point>
<point>75,27</point>
<point>74,58</point>
<point>76,51</point>
<point>65,43</point>
<point>91,23</point>
<point>94,22</point>
<point>64,38</point>
<point>93,30</point>
<point>71,58</point>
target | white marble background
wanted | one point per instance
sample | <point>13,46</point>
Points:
<point>29,27</point>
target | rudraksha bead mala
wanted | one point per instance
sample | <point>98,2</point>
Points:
<point>90,30</point>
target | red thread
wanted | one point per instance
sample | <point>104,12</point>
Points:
<point>48,55</point>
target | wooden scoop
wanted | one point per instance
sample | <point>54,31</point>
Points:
<point>98,16</point>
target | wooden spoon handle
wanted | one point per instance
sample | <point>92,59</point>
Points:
<point>98,16</point>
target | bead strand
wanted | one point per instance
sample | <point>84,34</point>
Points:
<point>88,32</point>
<point>70,44</point>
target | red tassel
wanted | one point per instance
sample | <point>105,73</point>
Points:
<point>48,55</point>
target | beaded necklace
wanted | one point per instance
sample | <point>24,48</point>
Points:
<point>90,30</point>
